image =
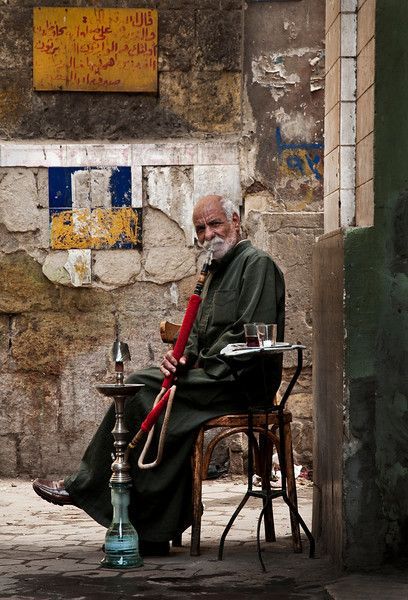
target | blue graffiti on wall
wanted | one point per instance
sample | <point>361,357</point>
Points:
<point>304,158</point>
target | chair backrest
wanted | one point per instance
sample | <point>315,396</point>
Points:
<point>169,331</point>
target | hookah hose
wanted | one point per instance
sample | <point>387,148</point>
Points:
<point>164,399</point>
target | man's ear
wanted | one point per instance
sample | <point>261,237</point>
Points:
<point>237,221</point>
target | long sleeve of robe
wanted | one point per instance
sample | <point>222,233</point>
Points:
<point>244,286</point>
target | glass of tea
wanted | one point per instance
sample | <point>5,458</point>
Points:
<point>251,335</point>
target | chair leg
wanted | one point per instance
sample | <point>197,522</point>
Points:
<point>265,455</point>
<point>291,487</point>
<point>197,494</point>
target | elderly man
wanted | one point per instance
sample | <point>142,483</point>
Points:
<point>244,286</point>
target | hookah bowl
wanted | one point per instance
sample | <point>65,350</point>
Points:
<point>121,539</point>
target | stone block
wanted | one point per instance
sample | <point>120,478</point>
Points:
<point>365,204</point>
<point>30,404</point>
<point>223,180</point>
<point>366,67</point>
<point>176,40</point>
<point>164,265</point>
<point>347,168</point>
<point>365,114</point>
<point>170,189</point>
<point>332,11</point>
<point>15,36</point>
<point>332,129</point>
<point>45,342</point>
<point>33,155</point>
<point>160,230</point>
<point>54,267</point>
<point>348,42</point>
<point>18,201</point>
<point>332,87</point>
<point>302,437</point>
<point>9,456</point>
<point>82,407</point>
<point>115,268</point>
<point>94,155</point>
<point>347,123</point>
<point>365,159</point>
<point>331,211</point>
<point>219,39</point>
<point>190,94</point>
<point>24,287</point>
<point>300,405</point>
<point>333,44</point>
<point>217,153</point>
<point>366,24</point>
<point>347,79</point>
<point>347,207</point>
<point>87,300</point>
<point>164,154</point>
<point>332,172</point>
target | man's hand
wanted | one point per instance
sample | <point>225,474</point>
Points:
<point>169,363</point>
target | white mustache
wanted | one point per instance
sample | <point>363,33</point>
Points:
<point>212,244</point>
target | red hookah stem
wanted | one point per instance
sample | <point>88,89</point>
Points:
<point>185,329</point>
<point>179,347</point>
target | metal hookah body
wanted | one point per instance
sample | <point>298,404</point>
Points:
<point>121,539</point>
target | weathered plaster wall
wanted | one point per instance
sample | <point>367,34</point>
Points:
<point>55,338</point>
<point>199,63</point>
<point>282,159</point>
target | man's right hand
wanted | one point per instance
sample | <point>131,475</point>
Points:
<point>169,363</point>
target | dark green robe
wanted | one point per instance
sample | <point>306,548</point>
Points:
<point>244,286</point>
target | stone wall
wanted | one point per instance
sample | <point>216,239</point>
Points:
<point>199,66</point>
<point>239,111</point>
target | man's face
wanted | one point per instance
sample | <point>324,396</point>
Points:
<point>213,228</point>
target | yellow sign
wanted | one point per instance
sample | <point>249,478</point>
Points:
<point>95,49</point>
<point>97,229</point>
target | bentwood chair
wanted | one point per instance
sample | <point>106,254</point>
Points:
<point>268,439</point>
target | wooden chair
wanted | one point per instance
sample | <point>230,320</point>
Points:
<point>268,439</point>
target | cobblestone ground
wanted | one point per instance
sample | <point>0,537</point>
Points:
<point>52,553</point>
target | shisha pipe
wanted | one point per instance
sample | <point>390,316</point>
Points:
<point>164,399</point>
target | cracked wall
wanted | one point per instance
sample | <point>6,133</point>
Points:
<point>204,132</point>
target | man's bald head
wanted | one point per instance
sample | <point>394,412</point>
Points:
<point>217,223</point>
<point>227,206</point>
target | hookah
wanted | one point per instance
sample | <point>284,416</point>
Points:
<point>164,399</point>
<point>121,540</point>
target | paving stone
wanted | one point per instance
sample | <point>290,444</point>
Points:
<point>54,553</point>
